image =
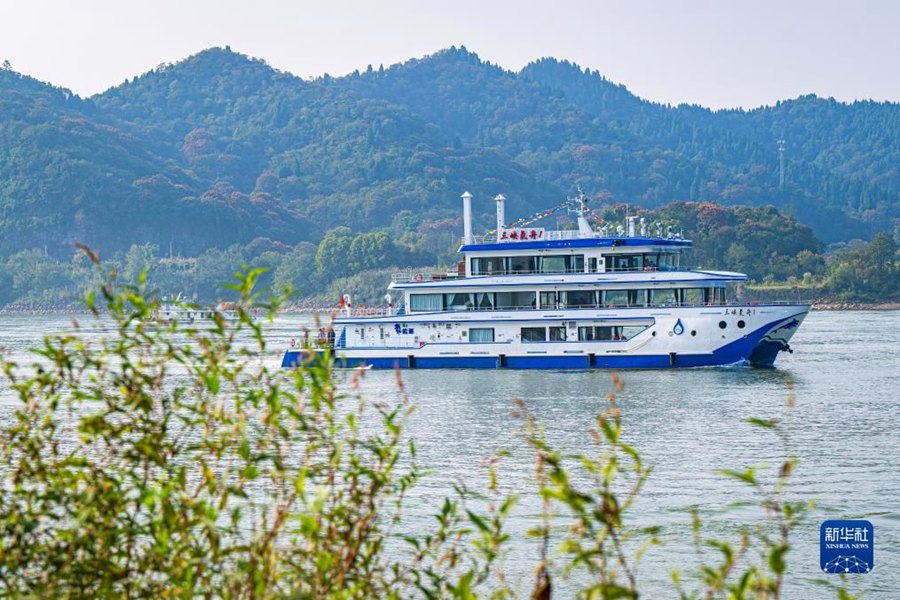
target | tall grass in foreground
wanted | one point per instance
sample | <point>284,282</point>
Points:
<point>170,461</point>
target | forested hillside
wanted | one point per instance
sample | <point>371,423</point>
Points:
<point>220,150</point>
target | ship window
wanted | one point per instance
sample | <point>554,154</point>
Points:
<point>548,299</point>
<point>571,263</point>
<point>516,300</point>
<point>637,297</point>
<point>608,334</point>
<point>626,333</point>
<point>598,334</point>
<point>668,261</point>
<point>578,299</point>
<point>557,334</point>
<point>534,334</point>
<point>575,263</point>
<point>624,262</point>
<point>651,261</point>
<point>490,265</point>
<point>720,295</point>
<point>459,301</point>
<point>485,301</point>
<point>592,264</point>
<point>553,264</point>
<point>693,296</point>
<point>425,302</point>
<point>521,264</point>
<point>481,334</point>
<point>615,298</point>
<point>666,297</point>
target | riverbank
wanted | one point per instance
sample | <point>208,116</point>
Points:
<point>856,306</point>
<point>317,308</point>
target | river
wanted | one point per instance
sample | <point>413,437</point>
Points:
<point>845,375</point>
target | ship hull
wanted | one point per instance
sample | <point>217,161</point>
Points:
<point>679,337</point>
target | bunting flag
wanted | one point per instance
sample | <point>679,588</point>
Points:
<point>599,220</point>
<point>526,221</point>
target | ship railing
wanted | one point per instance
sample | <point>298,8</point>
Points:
<point>547,236</point>
<point>381,311</point>
<point>665,269</point>
<point>419,276</point>
<point>664,305</point>
<point>556,235</point>
<point>461,308</point>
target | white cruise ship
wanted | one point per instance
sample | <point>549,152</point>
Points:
<point>530,298</point>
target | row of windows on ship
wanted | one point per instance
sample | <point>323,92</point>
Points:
<point>566,299</point>
<point>573,263</point>
<point>552,333</point>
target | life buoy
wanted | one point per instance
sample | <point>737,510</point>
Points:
<point>293,342</point>
<point>418,277</point>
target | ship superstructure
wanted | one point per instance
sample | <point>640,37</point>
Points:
<point>528,297</point>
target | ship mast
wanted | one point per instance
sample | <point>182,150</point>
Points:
<point>578,207</point>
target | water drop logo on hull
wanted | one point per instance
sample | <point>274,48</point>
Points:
<point>679,328</point>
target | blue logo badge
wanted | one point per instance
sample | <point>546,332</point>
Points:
<point>846,546</point>
<point>679,328</point>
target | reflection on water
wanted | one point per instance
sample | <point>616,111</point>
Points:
<point>686,423</point>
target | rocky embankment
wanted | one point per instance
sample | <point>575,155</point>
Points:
<point>50,308</point>
<point>855,306</point>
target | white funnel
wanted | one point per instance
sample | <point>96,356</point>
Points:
<point>467,218</point>
<point>501,214</point>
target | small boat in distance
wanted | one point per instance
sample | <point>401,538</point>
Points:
<point>524,297</point>
<point>179,309</point>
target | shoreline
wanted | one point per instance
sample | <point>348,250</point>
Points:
<point>324,309</point>
<point>868,306</point>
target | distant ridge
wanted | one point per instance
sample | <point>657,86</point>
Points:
<point>221,148</point>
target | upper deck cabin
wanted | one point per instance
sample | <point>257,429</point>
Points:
<point>512,249</point>
<point>571,252</point>
<point>520,268</point>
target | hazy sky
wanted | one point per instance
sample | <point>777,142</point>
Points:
<point>715,53</point>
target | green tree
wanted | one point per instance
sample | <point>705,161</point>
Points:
<point>297,270</point>
<point>38,278</point>
<point>333,254</point>
<point>371,251</point>
<point>6,284</point>
<point>138,258</point>
<point>869,273</point>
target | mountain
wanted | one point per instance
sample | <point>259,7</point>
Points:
<point>221,149</point>
<point>71,171</point>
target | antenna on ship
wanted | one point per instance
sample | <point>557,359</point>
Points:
<point>580,209</point>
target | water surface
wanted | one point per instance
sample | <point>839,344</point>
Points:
<point>845,374</point>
